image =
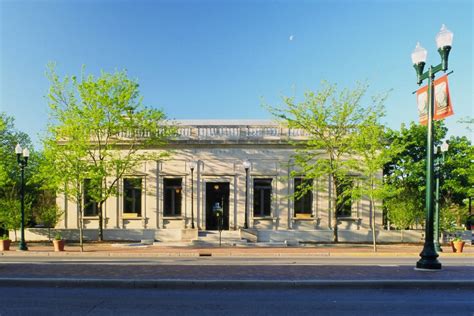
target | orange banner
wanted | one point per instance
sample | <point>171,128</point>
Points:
<point>442,101</point>
<point>442,107</point>
<point>422,102</point>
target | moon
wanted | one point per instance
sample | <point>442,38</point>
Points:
<point>291,37</point>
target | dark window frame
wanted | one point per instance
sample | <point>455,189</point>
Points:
<point>304,204</point>
<point>344,206</point>
<point>172,199</point>
<point>136,191</point>
<point>90,208</point>
<point>262,197</point>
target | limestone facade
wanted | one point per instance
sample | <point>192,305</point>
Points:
<point>162,199</point>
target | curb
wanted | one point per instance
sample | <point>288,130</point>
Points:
<point>234,284</point>
<point>68,254</point>
<point>72,255</point>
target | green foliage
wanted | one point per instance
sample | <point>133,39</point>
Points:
<point>457,172</point>
<point>372,146</point>
<point>58,236</point>
<point>99,130</point>
<point>331,119</point>
<point>406,174</point>
<point>10,213</point>
<point>448,221</point>
<point>49,215</point>
<point>404,211</point>
<point>10,175</point>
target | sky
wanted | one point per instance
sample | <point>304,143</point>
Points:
<point>214,59</point>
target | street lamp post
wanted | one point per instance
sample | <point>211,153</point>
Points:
<point>444,41</point>
<point>439,162</point>
<point>22,158</point>
<point>192,166</point>
<point>246,165</point>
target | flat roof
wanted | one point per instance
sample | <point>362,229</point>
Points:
<point>227,122</point>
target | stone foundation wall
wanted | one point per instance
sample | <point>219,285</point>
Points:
<point>384,236</point>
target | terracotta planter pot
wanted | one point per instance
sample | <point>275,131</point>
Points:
<point>5,245</point>
<point>457,246</point>
<point>58,245</point>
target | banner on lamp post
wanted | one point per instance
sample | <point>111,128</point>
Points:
<point>422,103</point>
<point>442,101</point>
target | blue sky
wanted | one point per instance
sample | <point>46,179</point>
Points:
<point>224,59</point>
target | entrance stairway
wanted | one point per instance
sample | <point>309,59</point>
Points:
<point>211,238</point>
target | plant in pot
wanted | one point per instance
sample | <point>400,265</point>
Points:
<point>457,244</point>
<point>4,243</point>
<point>58,242</point>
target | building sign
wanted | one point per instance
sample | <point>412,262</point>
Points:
<point>442,101</point>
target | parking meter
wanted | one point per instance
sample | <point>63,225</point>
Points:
<point>218,212</point>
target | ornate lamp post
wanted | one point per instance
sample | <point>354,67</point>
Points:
<point>22,158</point>
<point>438,163</point>
<point>192,166</point>
<point>444,40</point>
<point>246,165</point>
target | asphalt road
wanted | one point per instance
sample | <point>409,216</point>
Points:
<point>79,301</point>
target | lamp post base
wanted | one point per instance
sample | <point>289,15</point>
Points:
<point>428,264</point>
<point>23,246</point>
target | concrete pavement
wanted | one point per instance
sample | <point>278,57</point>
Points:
<point>67,269</point>
<point>166,250</point>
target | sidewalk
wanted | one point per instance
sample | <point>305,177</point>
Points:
<point>184,250</point>
<point>66,271</point>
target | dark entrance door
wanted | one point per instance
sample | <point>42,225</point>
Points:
<point>217,195</point>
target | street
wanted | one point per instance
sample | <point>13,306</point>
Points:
<point>107,301</point>
<point>150,285</point>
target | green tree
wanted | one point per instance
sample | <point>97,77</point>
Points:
<point>374,151</point>
<point>457,178</point>
<point>99,131</point>
<point>10,175</point>
<point>403,211</point>
<point>66,165</point>
<point>331,119</point>
<point>405,173</point>
<point>3,170</point>
<point>48,213</point>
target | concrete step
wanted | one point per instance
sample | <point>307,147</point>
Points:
<point>211,238</point>
<point>224,242</point>
<point>226,233</point>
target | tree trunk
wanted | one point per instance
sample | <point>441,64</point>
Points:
<point>335,237</point>
<point>101,224</point>
<point>79,212</point>
<point>81,231</point>
<point>101,214</point>
<point>374,235</point>
<point>372,203</point>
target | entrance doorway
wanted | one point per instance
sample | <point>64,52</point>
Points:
<point>217,195</point>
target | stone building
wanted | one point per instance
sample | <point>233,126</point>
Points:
<point>164,200</point>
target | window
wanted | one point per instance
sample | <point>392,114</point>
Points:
<point>304,203</point>
<point>344,201</point>
<point>90,206</point>
<point>262,197</point>
<point>132,196</point>
<point>172,197</point>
